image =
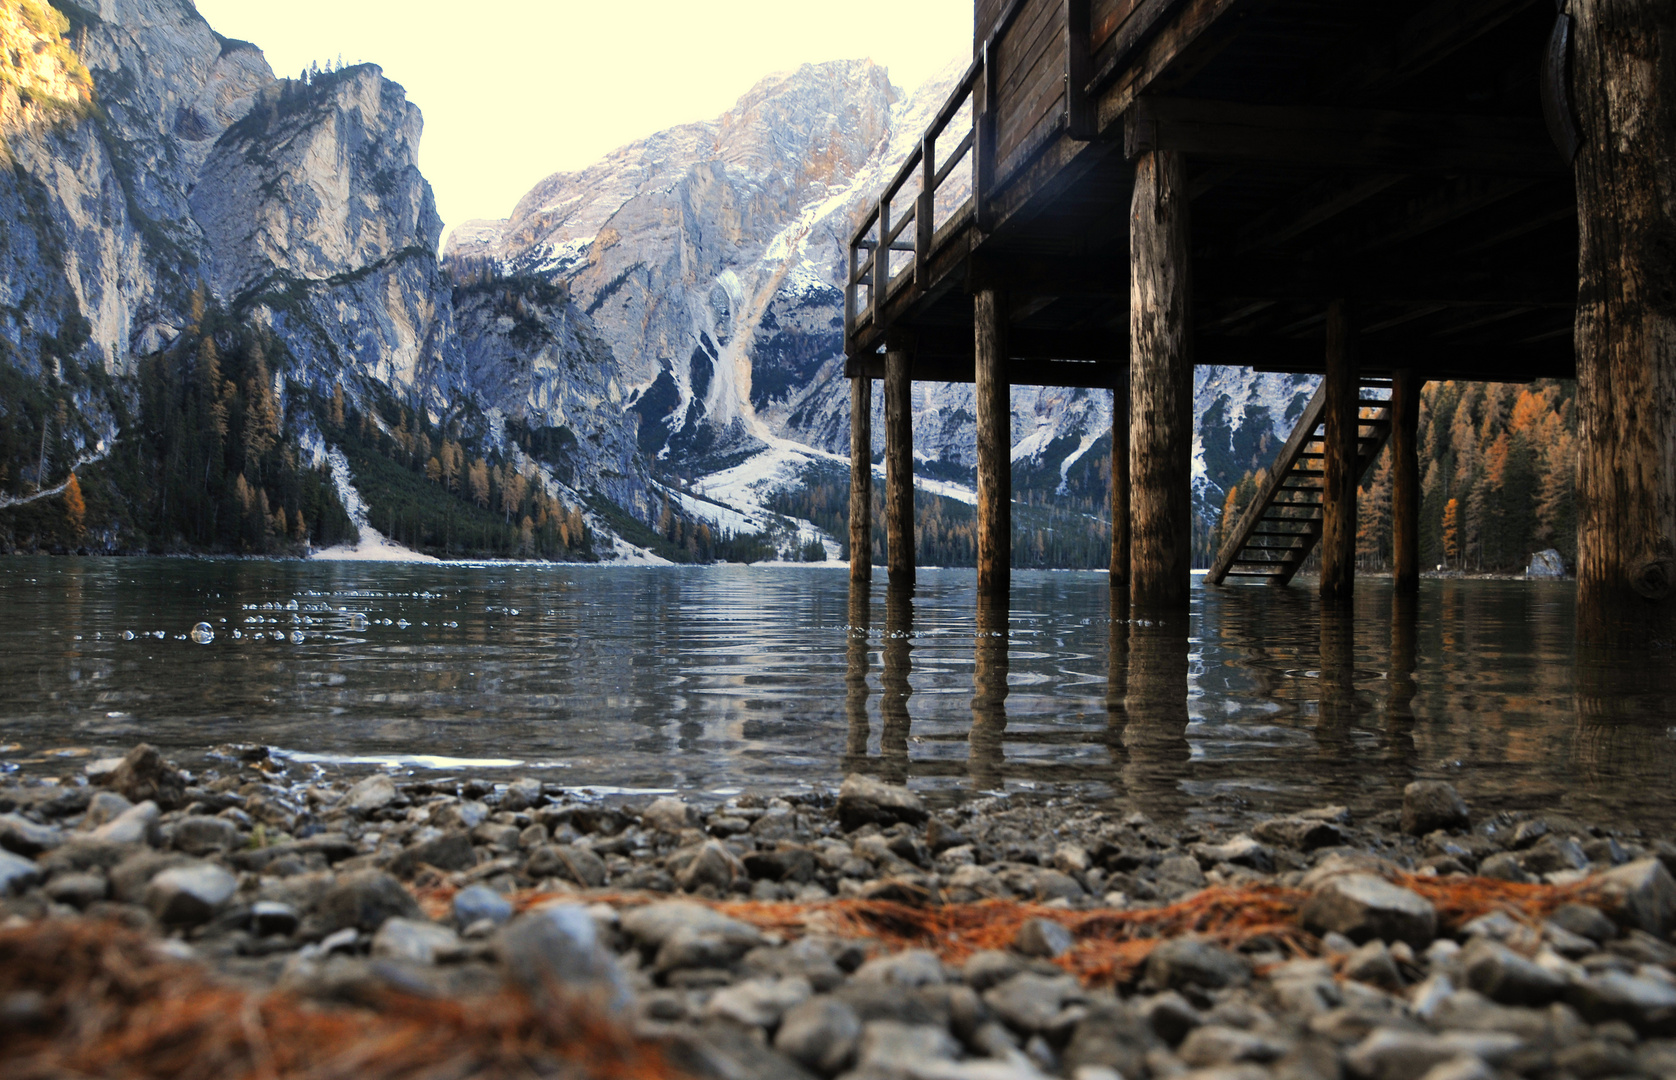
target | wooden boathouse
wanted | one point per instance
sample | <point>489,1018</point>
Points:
<point>1384,193</point>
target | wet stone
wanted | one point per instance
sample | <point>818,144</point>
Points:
<point>373,793</point>
<point>1300,833</point>
<point>522,794</point>
<point>143,775</point>
<point>668,815</point>
<point>1428,805</point>
<point>273,917</point>
<point>135,825</point>
<point>1239,851</point>
<point>864,800</point>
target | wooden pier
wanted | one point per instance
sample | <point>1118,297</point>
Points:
<point>1376,191</point>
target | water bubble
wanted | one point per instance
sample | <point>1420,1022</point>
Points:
<point>291,606</point>
<point>403,623</point>
<point>203,633</point>
<point>128,635</point>
<point>297,637</point>
<point>279,635</point>
<point>158,634</point>
<point>357,621</point>
<point>238,635</point>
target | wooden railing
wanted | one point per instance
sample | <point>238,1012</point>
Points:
<point>890,250</point>
<point>878,239</point>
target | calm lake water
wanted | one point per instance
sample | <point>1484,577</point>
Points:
<point>726,679</point>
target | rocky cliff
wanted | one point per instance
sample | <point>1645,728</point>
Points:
<point>157,165</point>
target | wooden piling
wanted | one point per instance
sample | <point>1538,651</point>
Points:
<point>1161,389</point>
<point>1623,82</point>
<point>899,463</point>
<point>1405,482</point>
<point>1338,497</point>
<point>986,742</point>
<point>857,663</point>
<point>995,486</point>
<point>895,688</point>
<point>1120,488</point>
<point>861,478</point>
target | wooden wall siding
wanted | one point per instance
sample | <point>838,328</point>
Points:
<point>1107,16</point>
<point>1030,74</point>
<point>987,13</point>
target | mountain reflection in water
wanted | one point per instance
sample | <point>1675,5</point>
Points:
<point>727,678</point>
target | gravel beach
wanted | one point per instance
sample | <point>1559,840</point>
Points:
<point>854,933</point>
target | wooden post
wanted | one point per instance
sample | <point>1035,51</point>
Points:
<point>856,665</point>
<point>1120,490</point>
<point>899,463</point>
<point>986,742</point>
<point>894,685</point>
<point>1338,496</point>
<point>1405,482</point>
<point>1624,88</point>
<point>995,466</point>
<point>861,478</point>
<point>1161,388</point>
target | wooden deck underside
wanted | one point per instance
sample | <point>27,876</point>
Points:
<point>1389,154</point>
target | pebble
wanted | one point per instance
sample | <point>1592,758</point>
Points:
<point>135,825</point>
<point>189,895</point>
<point>478,902</point>
<point>821,1034</point>
<point>557,946</point>
<point>16,873</point>
<point>1361,906</point>
<point>417,940</point>
<point>1429,805</point>
<point>374,793</point>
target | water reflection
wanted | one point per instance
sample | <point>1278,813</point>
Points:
<point>990,664</point>
<point>725,678</point>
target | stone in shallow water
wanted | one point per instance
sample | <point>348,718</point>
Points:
<point>1428,805</point>
<point>143,774</point>
<point>373,793</point>
<point>863,800</point>
<point>1361,907</point>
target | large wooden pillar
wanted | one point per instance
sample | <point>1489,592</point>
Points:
<point>1338,497</point>
<point>861,478</point>
<point>1161,384</point>
<point>1120,488</point>
<point>995,465</point>
<point>899,463</point>
<point>1624,89</point>
<point>1405,482</point>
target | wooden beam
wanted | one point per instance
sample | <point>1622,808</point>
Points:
<point>1161,389</point>
<point>899,464</point>
<point>1335,138</point>
<point>861,479</point>
<point>1315,205</point>
<point>1427,38</point>
<point>1023,371</point>
<point>995,497</point>
<point>1405,482</point>
<point>1338,509</point>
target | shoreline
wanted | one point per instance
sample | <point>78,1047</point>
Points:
<point>867,935</point>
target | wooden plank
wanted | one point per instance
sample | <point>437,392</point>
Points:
<point>1170,36</point>
<point>899,464</point>
<point>861,478</point>
<point>1316,205</point>
<point>1136,29</point>
<point>1335,138</point>
<point>1023,105</point>
<point>1021,371</point>
<point>1161,388</point>
<point>1338,525</point>
<point>1079,54</point>
<point>1033,35</point>
<point>994,424</point>
<point>1105,17</point>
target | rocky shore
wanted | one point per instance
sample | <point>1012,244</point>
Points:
<point>855,934</point>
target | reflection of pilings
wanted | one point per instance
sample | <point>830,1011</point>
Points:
<point>856,664</point>
<point>893,701</point>
<point>1156,710</point>
<point>1117,678</point>
<point>1619,687</point>
<point>1400,686</point>
<point>989,693</point>
<point>1337,684</point>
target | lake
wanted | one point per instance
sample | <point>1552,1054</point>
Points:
<point>722,679</point>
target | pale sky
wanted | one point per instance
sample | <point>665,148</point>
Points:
<point>515,90</point>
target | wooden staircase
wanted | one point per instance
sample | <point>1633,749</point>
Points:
<point>1282,525</point>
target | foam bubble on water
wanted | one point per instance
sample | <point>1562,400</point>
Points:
<point>128,635</point>
<point>238,635</point>
<point>291,606</point>
<point>158,634</point>
<point>357,621</point>
<point>203,633</point>
<point>297,637</point>
<point>402,624</point>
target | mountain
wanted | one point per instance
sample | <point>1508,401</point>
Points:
<point>711,257</point>
<point>167,190</point>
